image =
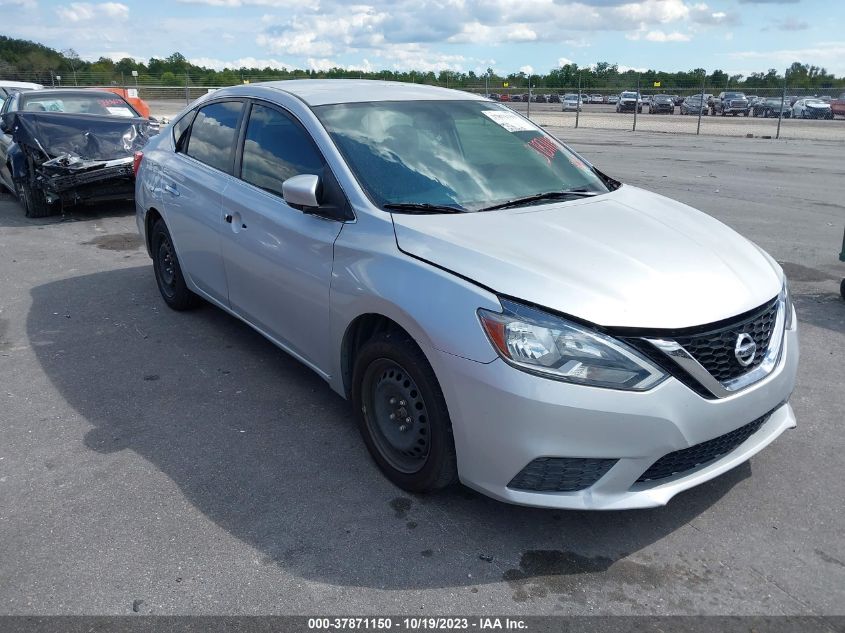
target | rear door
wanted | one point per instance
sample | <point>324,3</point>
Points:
<point>193,179</point>
<point>278,258</point>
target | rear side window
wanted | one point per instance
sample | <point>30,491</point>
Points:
<point>276,148</point>
<point>180,127</point>
<point>213,134</point>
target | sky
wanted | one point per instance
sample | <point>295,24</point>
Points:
<point>737,36</point>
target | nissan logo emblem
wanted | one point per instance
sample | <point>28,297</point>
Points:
<point>745,349</point>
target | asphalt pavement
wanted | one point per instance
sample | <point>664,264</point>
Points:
<point>178,463</point>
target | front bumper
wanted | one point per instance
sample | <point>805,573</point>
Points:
<point>503,419</point>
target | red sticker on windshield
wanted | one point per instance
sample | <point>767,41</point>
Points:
<point>544,146</point>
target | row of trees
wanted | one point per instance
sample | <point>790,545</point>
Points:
<point>28,61</point>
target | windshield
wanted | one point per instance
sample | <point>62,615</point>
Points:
<point>76,103</point>
<point>734,95</point>
<point>629,95</point>
<point>464,154</point>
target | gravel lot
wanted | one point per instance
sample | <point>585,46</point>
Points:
<point>156,462</point>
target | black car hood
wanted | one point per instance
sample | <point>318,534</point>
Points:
<point>91,137</point>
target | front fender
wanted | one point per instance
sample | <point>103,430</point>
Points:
<point>17,163</point>
<point>437,308</point>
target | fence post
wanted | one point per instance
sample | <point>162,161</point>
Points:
<point>528,115</point>
<point>636,104</point>
<point>701,103</point>
<point>782,101</point>
<point>578,103</point>
<point>187,100</point>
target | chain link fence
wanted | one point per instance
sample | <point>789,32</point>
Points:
<point>768,112</point>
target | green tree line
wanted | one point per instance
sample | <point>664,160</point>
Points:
<point>29,61</point>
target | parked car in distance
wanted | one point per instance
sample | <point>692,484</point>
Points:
<point>504,97</point>
<point>812,108</point>
<point>554,98</point>
<point>9,87</point>
<point>539,98</point>
<point>771,107</point>
<point>695,104</point>
<point>596,98</point>
<point>664,104</point>
<point>837,106</point>
<point>677,99</point>
<point>628,102</point>
<point>733,103</point>
<point>571,103</point>
<point>441,306</point>
<point>61,147</point>
<point>613,99</point>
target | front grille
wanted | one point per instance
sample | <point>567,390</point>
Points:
<point>561,474</point>
<point>714,350</point>
<point>700,454</point>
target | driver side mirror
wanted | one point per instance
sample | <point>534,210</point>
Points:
<point>302,192</point>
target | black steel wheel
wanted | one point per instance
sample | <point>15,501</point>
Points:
<point>402,413</point>
<point>168,273</point>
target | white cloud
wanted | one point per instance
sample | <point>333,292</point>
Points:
<point>242,62</point>
<point>661,36</point>
<point>563,61</point>
<point>312,5</point>
<point>527,69</point>
<point>830,55</point>
<point>86,11</point>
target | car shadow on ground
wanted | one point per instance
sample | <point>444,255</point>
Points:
<point>261,446</point>
<point>76,213</point>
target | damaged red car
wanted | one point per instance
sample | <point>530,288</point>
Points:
<point>65,147</point>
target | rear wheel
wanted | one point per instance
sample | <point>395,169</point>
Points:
<point>168,272</point>
<point>402,413</point>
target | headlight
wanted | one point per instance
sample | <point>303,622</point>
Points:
<point>544,344</point>
<point>787,301</point>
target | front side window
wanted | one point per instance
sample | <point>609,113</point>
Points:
<point>276,148</point>
<point>465,154</point>
<point>213,134</point>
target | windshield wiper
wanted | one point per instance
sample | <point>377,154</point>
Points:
<point>422,207</point>
<point>549,195</point>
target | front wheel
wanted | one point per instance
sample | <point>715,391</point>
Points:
<point>34,202</point>
<point>402,414</point>
<point>168,272</point>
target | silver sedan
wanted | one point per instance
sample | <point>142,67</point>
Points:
<point>497,309</point>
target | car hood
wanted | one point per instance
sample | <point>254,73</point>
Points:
<point>629,258</point>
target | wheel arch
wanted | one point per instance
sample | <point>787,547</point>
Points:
<point>150,218</point>
<point>360,330</point>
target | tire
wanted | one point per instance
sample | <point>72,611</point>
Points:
<point>34,203</point>
<point>842,288</point>
<point>418,456</point>
<point>745,113</point>
<point>168,272</point>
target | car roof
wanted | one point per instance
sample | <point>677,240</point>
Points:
<point>19,84</point>
<point>58,92</point>
<point>316,92</point>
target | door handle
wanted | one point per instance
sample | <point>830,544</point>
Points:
<point>228,218</point>
<point>171,190</point>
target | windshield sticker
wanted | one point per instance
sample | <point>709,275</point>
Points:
<point>110,102</point>
<point>511,121</point>
<point>544,146</point>
<point>124,111</point>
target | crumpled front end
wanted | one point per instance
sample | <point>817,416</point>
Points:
<point>76,158</point>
